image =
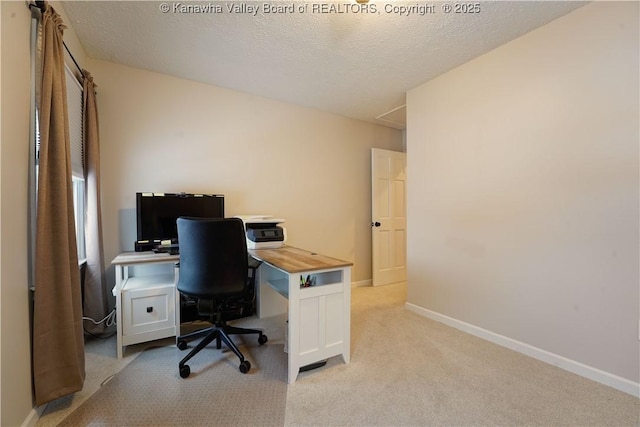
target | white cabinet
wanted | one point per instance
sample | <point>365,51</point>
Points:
<point>323,326</point>
<point>147,306</point>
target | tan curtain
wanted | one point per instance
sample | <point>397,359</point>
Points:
<point>95,292</point>
<point>58,345</point>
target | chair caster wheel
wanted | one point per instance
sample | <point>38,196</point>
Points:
<point>182,344</point>
<point>262,339</point>
<point>245,366</point>
<point>185,370</point>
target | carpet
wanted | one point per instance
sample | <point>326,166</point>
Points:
<point>150,392</point>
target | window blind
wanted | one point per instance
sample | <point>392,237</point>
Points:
<point>75,110</point>
<point>76,125</point>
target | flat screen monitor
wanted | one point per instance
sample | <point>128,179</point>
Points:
<point>156,213</point>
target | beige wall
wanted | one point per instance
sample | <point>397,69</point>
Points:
<point>165,134</point>
<point>15,368</point>
<point>15,350</point>
<point>523,190</point>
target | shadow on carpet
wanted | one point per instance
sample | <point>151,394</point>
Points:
<point>150,392</point>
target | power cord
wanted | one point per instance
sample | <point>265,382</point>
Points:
<point>108,320</point>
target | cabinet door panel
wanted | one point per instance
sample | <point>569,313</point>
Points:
<point>310,323</point>
<point>146,310</point>
<point>334,319</point>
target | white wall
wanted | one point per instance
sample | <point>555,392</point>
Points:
<point>523,190</point>
<point>165,134</point>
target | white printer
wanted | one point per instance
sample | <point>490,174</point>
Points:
<point>263,231</point>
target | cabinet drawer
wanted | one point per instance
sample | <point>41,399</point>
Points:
<point>148,309</point>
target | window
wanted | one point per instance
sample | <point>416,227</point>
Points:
<point>76,131</point>
<point>78,212</point>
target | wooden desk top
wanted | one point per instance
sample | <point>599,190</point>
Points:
<point>287,258</point>
<point>294,260</point>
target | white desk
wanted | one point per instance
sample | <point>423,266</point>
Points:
<point>319,326</point>
<point>319,316</point>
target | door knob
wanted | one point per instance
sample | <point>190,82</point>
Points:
<point>375,224</point>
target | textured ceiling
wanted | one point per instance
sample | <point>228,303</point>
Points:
<point>338,56</point>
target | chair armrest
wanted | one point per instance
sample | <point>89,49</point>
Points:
<point>254,263</point>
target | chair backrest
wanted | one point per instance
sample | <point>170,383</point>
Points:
<point>213,257</point>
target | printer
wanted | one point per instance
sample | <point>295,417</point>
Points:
<point>263,231</point>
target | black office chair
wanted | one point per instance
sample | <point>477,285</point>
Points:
<point>215,270</point>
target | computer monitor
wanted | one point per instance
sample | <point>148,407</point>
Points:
<point>156,213</point>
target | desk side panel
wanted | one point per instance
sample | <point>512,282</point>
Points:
<point>270,302</point>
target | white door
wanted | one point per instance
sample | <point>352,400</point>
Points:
<point>388,216</point>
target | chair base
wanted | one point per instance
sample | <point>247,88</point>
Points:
<point>220,333</point>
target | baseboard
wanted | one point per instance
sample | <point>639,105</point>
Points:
<point>34,416</point>
<point>573,366</point>
<point>361,283</point>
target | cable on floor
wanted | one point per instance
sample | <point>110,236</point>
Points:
<point>108,320</point>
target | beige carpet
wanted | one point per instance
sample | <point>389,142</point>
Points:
<point>405,370</point>
<point>150,392</point>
